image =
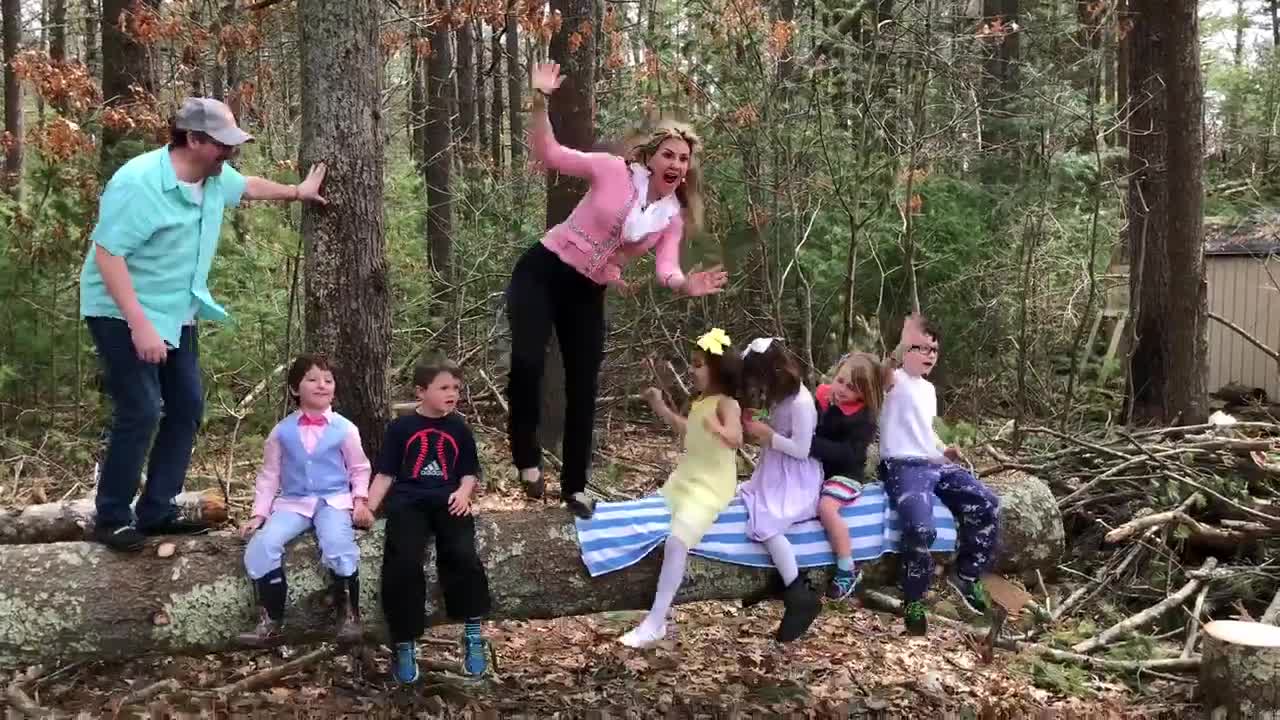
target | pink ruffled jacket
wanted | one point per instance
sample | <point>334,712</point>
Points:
<point>590,239</point>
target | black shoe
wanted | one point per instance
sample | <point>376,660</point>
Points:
<point>175,526</point>
<point>772,591</point>
<point>802,608</point>
<point>581,504</point>
<point>125,538</point>
<point>534,489</point>
<point>346,606</point>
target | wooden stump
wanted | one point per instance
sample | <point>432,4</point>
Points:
<point>1240,671</point>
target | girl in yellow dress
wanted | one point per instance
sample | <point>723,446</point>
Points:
<point>706,477</point>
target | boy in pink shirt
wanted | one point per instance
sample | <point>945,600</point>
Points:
<point>314,474</point>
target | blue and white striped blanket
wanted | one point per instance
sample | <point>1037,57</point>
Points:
<point>621,534</point>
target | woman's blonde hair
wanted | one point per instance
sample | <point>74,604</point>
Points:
<point>641,146</point>
<point>866,373</point>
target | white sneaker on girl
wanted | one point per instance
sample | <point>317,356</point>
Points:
<point>643,638</point>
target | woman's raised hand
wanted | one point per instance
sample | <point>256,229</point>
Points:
<point>545,77</point>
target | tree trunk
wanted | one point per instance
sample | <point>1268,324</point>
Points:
<point>516,78</point>
<point>1240,670</point>
<point>466,93</point>
<point>347,314</point>
<point>13,126</point>
<point>439,143</point>
<point>1000,78</point>
<point>1167,367</point>
<point>482,96</point>
<point>1269,127</point>
<point>124,63</point>
<point>499,107</point>
<point>91,56</point>
<point>572,112</point>
<point>112,605</point>
<point>417,101</point>
<point>224,80</point>
<point>73,520</point>
<point>1124,30</point>
<point>58,30</point>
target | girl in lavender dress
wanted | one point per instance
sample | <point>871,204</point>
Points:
<point>784,488</point>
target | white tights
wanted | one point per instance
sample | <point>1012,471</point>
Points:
<point>674,556</point>
<point>784,557</point>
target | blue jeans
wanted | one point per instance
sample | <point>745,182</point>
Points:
<point>334,534</point>
<point>164,401</point>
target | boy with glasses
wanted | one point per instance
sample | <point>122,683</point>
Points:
<point>915,466</point>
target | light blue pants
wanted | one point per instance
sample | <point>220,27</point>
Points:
<point>334,533</point>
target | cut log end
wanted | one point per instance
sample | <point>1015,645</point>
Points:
<point>1240,669</point>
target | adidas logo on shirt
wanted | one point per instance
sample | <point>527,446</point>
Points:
<point>432,469</point>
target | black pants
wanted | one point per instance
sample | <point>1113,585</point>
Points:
<point>545,292</point>
<point>404,584</point>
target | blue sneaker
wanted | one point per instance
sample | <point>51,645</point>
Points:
<point>475,655</point>
<point>404,663</point>
<point>843,584</point>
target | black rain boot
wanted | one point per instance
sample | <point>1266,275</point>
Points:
<point>272,589</point>
<point>772,591</point>
<point>802,607</point>
<point>346,606</point>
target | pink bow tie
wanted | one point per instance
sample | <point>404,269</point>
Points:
<point>316,420</point>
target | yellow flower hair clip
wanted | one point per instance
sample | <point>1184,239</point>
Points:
<point>714,341</point>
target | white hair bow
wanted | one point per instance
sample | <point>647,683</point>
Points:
<point>759,345</point>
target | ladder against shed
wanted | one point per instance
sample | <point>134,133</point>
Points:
<point>1110,321</point>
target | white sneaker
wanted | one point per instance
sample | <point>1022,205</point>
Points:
<point>643,639</point>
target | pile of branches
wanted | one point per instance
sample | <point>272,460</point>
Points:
<point>1168,528</point>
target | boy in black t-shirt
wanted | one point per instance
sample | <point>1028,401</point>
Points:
<point>426,472</point>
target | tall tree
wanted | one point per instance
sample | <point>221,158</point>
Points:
<point>571,110</point>
<point>418,98</point>
<point>466,91</point>
<point>515,83</point>
<point>226,66</point>
<point>125,62</point>
<point>482,95</point>
<point>1000,79</point>
<point>439,142</point>
<point>499,108</point>
<point>12,15</point>
<point>1264,161</point>
<point>58,30</point>
<point>89,9</point>
<point>348,316</point>
<point>1168,361</point>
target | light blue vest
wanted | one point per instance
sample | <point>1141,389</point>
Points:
<point>319,473</point>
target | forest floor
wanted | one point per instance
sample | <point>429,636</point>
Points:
<point>719,659</point>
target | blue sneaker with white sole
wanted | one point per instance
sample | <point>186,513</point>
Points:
<point>404,663</point>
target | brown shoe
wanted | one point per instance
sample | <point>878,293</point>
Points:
<point>266,633</point>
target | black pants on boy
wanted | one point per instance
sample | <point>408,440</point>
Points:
<point>410,525</point>
<point>544,293</point>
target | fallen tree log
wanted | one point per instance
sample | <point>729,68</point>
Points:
<point>73,519</point>
<point>77,600</point>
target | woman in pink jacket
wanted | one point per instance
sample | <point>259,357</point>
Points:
<point>633,205</point>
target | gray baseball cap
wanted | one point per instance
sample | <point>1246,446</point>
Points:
<point>211,117</point>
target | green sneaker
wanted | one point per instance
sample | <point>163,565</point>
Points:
<point>971,593</point>
<point>916,618</point>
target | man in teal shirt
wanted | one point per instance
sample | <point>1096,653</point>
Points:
<point>143,287</point>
